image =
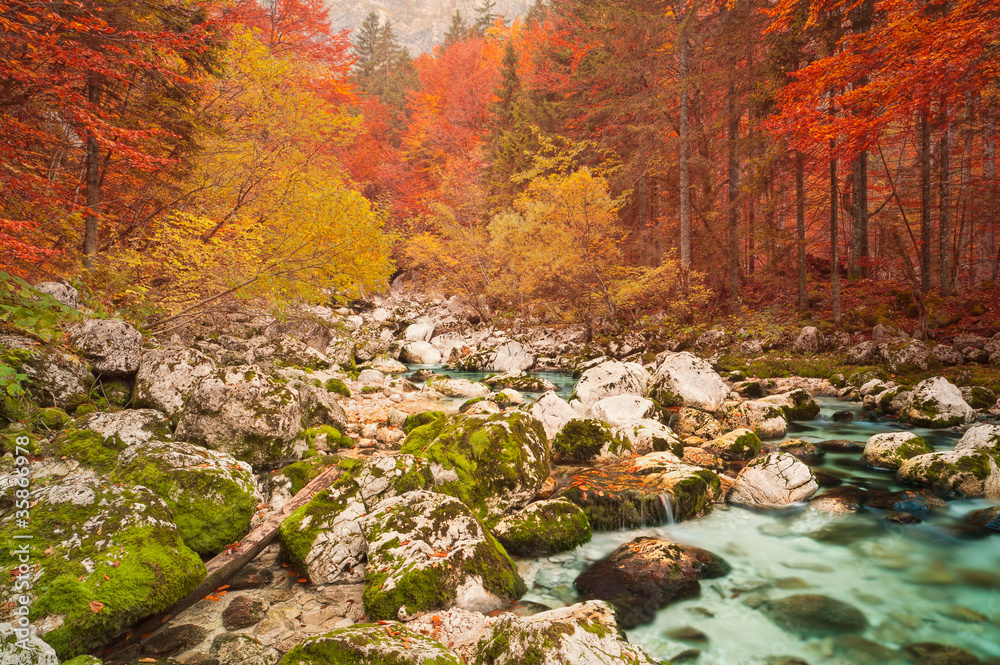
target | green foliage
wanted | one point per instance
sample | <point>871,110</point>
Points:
<point>31,312</point>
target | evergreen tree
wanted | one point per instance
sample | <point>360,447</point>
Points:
<point>485,16</point>
<point>512,139</point>
<point>457,31</point>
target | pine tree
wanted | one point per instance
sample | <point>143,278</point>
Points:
<point>457,31</point>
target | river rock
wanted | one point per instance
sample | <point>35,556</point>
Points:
<point>287,351</point>
<point>543,528</point>
<point>648,435</point>
<point>457,387</point>
<point>111,346</point>
<point>810,340</point>
<point>242,612</point>
<point>587,440</point>
<point>890,450</point>
<point>553,412</point>
<point>797,404</point>
<point>419,332</point>
<point>212,495</point>
<point>947,355</point>
<point>921,502</point>
<point>984,438</point>
<point>978,397</point>
<point>582,633</point>
<point>511,357</point>
<point>460,629</point>
<point>647,574</point>
<point>963,473</point>
<point>937,403</point>
<point>319,407</point>
<point>386,642</point>
<point>812,615</point>
<point>492,464</point>
<point>643,491</point>
<point>323,538</point>
<point>987,518</point>
<point>167,377</point>
<point>385,365</point>
<point>95,440</point>
<point>429,551</point>
<point>243,412</point>
<point>420,353</point>
<point>693,422</point>
<point>611,378</point>
<point>682,379</point>
<point>803,450</point>
<point>909,358</point>
<point>521,381</point>
<point>55,378</point>
<point>621,410</point>
<point>865,353</point>
<point>113,557</point>
<point>932,653</point>
<point>32,651</point>
<point>740,444</point>
<point>773,481</point>
<point>766,420</point>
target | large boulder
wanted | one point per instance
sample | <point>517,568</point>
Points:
<point>692,422</point>
<point>983,438</point>
<point>610,378</point>
<point>520,381</point>
<point>739,444</point>
<point>420,353</point>
<point>553,412</point>
<point>212,495</point>
<point>112,346</point>
<point>646,574</point>
<point>582,633</point>
<point>167,378</point>
<point>419,332</point>
<point>243,412</point>
<point>429,551</point>
<point>64,293</point>
<point>457,387</point>
<point>543,528</point>
<point>766,420</point>
<point>947,355</point>
<point>775,480</point>
<point>810,340</point>
<point>648,435</point>
<point>287,351</point>
<point>55,378</point>
<point>937,403</point>
<point>865,353</point>
<point>682,379</point>
<point>622,410</point>
<point>962,473</point>
<point>320,407</point>
<point>796,403</point>
<point>109,556</point>
<point>323,538</point>
<point>587,440</point>
<point>492,464</point>
<point>909,358</point>
<point>890,450</point>
<point>24,648</point>
<point>95,440</point>
<point>649,490</point>
<point>511,357</point>
<point>386,642</point>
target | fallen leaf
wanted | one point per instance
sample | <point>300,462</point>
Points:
<point>96,606</point>
<point>303,580</point>
<point>49,551</point>
<point>106,577</point>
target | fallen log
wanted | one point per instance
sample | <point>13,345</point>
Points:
<point>227,563</point>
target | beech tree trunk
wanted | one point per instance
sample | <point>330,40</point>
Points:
<point>800,229</point>
<point>685,177</point>
<point>834,241</point>
<point>944,207</point>
<point>988,243</point>
<point>93,184</point>
<point>925,202</point>
<point>734,198</point>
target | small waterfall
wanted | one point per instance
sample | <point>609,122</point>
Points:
<point>668,509</point>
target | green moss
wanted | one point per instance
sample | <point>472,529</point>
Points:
<point>117,393</point>
<point>51,418</point>
<point>84,660</point>
<point>370,390</point>
<point>302,473</point>
<point>337,386</point>
<point>88,448</point>
<point>9,444</point>
<point>581,440</point>
<point>416,420</point>
<point>469,403</point>
<point>299,530</point>
<point>558,526</point>
<point>355,645</point>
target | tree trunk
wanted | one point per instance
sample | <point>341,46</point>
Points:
<point>93,183</point>
<point>685,178</point>
<point>859,217</point>
<point>944,206</point>
<point>800,229</point>
<point>734,199</point>
<point>834,240</point>
<point>965,226</point>
<point>925,202</point>
<point>988,244</point>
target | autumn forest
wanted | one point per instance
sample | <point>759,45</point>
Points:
<point>591,161</point>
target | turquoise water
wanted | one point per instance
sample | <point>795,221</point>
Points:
<point>564,381</point>
<point>914,583</point>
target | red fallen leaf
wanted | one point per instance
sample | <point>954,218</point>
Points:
<point>96,606</point>
<point>583,496</point>
<point>303,580</point>
<point>106,577</point>
<point>212,598</point>
<point>117,563</point>
<point>382,623</point>
<point>406,542</point>
<point>224,586</point>
<point>440,553</point>
<point>48,551</point>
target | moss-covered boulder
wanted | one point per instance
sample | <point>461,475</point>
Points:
<point>492,464</point>
<point>521,381</point>
<point>687,422</point>
<point>646,574</point>
<point>890,450</point>
<point>429,551</point>
<point>587,440</point>
<point>891,400</point>
<point>243,412</point>
<point>582,633</point>
<point>320,407</point>
<point>767,421</point>
<point>51,419</point>
<point>797,404</point>
<point>978,397</point>
<point>740,444</point>
<point>415,420</point>
<point>108,556</point>
<point>387,643</point>
<point>543,528</point>
<point>749,389</point>
<point>982,438</point>
<point>775,480</point>
<point>457,387</point>
<point>682,379</point>
<point>96,439</point>
<point>324,539</point>
<point>22,649</point>
<point>936,403</point>
<point>212,495</point>
<point>553,412</point>
<point>55,378</point>
<point>649,490</point>
<point>648,435</point>
<point>957,473</point>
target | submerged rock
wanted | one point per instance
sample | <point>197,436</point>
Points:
<point>932,653</point>
<point>682,379</point>
<point>543,528</point>
<point>389,642</point>
<point>647,574</point>
<point>773,481</point>
<point>812,615</point>
<point>585,633</point>
<point>890,450</point>
<point>428,551</point>
<point>987,518</point>
<point>649,490</point>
